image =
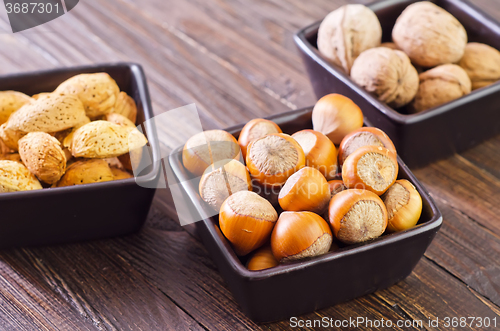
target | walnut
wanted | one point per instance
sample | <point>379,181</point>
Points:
<point>482,64</point>
<point>440,85</point>
<point>347,32</point>
<point>429,35</point>
<point>388,74</point>
<point>390,45</point>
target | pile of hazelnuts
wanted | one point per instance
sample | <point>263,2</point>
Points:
<point>285,198</point>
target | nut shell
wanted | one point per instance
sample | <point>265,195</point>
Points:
<point>10,138</point>
<point>439,86</point>
<point>272,159</point>
<point>205,148</point>
<point>120,120</point>
<point>299,235</point>
<point>390,45</point>
<point>43,156</point>
<point>11,157</point>
<point>131,159</point>
<point>371,168</point>
<point>263,258</point>
<point>39,95</point>
<point>482,63</point>
<point>66,142</point>
<point>388,74</point>
<point>365,136</point>
<point>357,216</point>
<point>347,32</point>
<point>429,35</point>
<point>404,206</point>
<point>103,139</point>
<point>120,174</point>
<point>125,105</point>
<point>50,113</point>
<point>222,180</point>
<point>10,101</point>
<point>336,186</point>
<point>256,128</point>
<point>246,220</point>
<point>14,176</point>
<point>336,116</point>
<point>320,152</point>
<point>305,190</point>
<point>98,92</point>
<point>86,172</point>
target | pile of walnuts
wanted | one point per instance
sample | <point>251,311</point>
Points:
<point>426,40</point>
<point>83,132</point>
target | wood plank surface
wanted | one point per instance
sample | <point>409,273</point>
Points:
<point>235,59</point>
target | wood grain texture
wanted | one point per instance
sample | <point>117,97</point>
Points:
<point>235,60</point>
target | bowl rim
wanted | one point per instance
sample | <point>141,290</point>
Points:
<point>302,42</point>
<point>237,267</point>
<point>139,77</point>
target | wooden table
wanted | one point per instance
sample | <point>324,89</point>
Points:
<point>236,60</point>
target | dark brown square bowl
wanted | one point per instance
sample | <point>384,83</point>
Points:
<point>81,212</point>
<point>304,286</point>
<point>435,133</point>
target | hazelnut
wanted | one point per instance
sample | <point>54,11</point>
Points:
<point>482,63</point>
<point>336,186</point>
<point>320,151</point>
<point>347,32</point>
<point>254,129</point>
<point>366,136</point>
<point>335,116</point>
<point>404,206</point>
<point>274,158</point>
<point>299,235</point>
<point>205,148</point>
<point>357,216</point>
<point>429,35</point>
<point>305,190</point>
<point>223,179</point>
<point>371,168</point>
<point>388,74</point>
<point>246,220</point>
<point>439,86</point>
<point>263,258</point>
